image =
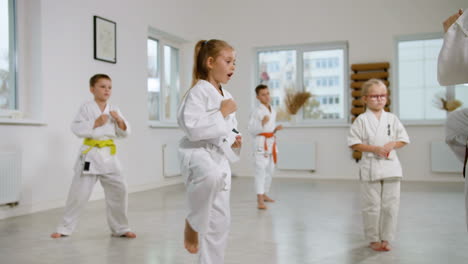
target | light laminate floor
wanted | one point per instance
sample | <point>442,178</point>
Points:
<point>313,221</point>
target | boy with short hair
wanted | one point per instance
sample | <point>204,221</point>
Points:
<point>262,126</point>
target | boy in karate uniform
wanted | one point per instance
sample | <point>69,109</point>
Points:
<point>98,123</point>
<point>378,134</point>
<point>262,126</point>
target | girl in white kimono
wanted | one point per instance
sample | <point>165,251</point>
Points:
<point>207,117</point>
<point>98,123</point>
<point>262,126</point>
<point>378,134</point>
<point>452,70</point>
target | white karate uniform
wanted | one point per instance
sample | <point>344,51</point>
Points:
<point>380,177</point>
<point>205,153</point>
<point>452,66</point>
<point>102,166</point>
<point>452,69</point>
<point>264,163</point>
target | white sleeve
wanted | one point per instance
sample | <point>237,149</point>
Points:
<point>201,124</point>
<point>452,64</point>
<point>355,133</point>
<point>82,126</point>
<point>255,124</point>
<point>119,132</point>
<point>401,134</point>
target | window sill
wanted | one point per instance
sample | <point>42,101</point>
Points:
<point>22,122</point>
<point>423,123</point>
<point>156,124</point>
<point>312,125</point>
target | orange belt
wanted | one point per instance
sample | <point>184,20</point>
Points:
<point>265,146</point>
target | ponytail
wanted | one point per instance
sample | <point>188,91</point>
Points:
<point>203,50</point>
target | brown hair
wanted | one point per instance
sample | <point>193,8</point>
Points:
<point>260,87</point>
<point>203,50</point>
<point>368,84</point>
<point>93,80</point>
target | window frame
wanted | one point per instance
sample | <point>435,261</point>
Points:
<point>165,39</point>
<point>14,112</point>
<point>300,50</point>
<point>395,95</point>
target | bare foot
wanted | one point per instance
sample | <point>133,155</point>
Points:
<point>268,199</point>
<point>56,235</point>
<point>190,238</point>
<point>261,202</point>
<point>386,246</point>
<point>377,246</point>
<point>129,235</point>
<point>126,234</point>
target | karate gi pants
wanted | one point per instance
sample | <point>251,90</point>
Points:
<point>264,169</point>
<point>208,190</point>
<point>115,191</point>
<point>380,201</point>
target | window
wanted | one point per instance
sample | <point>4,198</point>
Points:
<point>163,81</point>
<point>154,83</point>
<point>172,82</point>
<point>8,91</point>
<point>275,77</point>
<point>328,80</point>
<point>318,69</point>
<point>274,84</point>
<point>419,92</point>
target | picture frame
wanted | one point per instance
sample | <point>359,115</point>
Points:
<point>105,40</point>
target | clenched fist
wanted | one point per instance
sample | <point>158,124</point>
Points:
<point>101,120</point>
<point>227,107</point>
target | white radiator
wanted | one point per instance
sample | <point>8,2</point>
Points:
<point>171,165</point>
<point>296,156</point>
<point>10,177</point>
<point>443,159</point>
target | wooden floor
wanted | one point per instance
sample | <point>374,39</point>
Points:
<point>313,221</point>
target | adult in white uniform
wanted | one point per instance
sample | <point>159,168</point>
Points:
<point>262,126</point>
<point>452,70</point>
<point>377,134</point>
<point>211,142</point>
<point>98,122</point>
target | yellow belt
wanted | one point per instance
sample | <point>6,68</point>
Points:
<point>100,144</point>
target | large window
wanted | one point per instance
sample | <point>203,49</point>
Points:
<point>318,69</point>
<point>163,79</point>
<point>8,95</point>
<point>419,93</point>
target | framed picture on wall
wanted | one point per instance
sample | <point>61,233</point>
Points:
<point>105,40</point>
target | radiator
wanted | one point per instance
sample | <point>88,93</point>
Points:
<point>443,159</point>
<point>171,165</point>
<point>10,178</point>
<point>296,156</point>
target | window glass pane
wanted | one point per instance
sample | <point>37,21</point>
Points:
<point>327,83</point>
<point>171,82</point>
<point>277,69</point>
<point>154,82</point>
<point>7,56</point>
<point>417,79</point>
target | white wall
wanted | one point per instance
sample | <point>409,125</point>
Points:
<point>57,61</point>
<point>370,27</point>
<point>56,40</point>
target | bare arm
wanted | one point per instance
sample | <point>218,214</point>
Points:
<point>447,23</point>
<point>399,144</point>
<point>381,151</point>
